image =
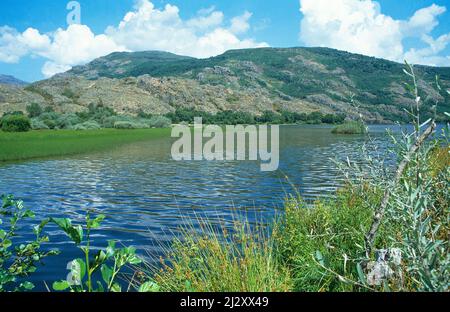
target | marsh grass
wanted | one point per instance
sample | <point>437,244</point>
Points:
<point>210,257</point>
<point>46,143</point>
<point>278,257</point>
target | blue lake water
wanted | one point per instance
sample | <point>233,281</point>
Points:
<point>146,195</point>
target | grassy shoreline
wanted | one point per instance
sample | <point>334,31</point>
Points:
<point>50,143</point>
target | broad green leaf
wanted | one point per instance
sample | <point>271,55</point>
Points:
<point>116,288</point>
<point>96,222</point>
<point>63,223</point>
<point>27,285</point>
<point>82,267</point>
<point>106,273</point>
<point>7,243</point>
<point>149,287</point>
<point>76,234</point>
<point>61,285</point>
<point>100,258</point>
<point>134,260</point>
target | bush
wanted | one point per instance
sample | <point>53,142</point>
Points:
<point>159,122</point>
<point>19,259</point>
<point>68,121</point>
<point>16,123</point>
<point>37,124</point>
<point>129,125</point>
<point>34,110</point>
<point>88,125</point>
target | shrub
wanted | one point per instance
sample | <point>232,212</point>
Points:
<point>16,123</point>
<point>50,123</point>
<point>37,124</point>
<point>34,110</point>
<point>106,263</point>
<point>129,125</point>
<point>19,113</point>
<point>68,121</point>
<point>49,109</point>
<point>18,260</point>
<point>88,125</point>
<point>159,122</point>
<point>269,117</point>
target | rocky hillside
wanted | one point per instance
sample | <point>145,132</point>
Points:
<point>12,81</point>
<point>254,80</point>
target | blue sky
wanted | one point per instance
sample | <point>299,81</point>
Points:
<point>204,28</point>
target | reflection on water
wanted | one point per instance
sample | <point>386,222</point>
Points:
<point>145,194</point>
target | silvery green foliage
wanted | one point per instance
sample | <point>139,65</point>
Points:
<point>414,209</point>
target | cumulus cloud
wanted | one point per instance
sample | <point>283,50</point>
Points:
<point>240,24</point>
<point>359,26</point>
<point>144,28</point>
<point>11,47</point>
<point>149,28</point>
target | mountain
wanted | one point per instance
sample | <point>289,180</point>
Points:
<point>251,80</point>
<point>12,81</point>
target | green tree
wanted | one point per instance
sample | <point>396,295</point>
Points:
<point>15,123</point>
<point>34,110</point>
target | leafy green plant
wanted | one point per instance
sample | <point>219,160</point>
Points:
<point>37,124</point>
<point>34,110</point>
<point>129,125</point>
<point>16,123</point>
<point>413,212</point>
<point>18,261</point>
<point>107,262</point>
<point>159,122</point>
<point>88,125</point>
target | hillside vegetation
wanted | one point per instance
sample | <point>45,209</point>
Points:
<point>301,80</point>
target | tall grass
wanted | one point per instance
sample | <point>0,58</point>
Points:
<point>214,258</point>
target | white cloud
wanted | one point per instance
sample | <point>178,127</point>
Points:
<point>430,54</point>
<point>143,28</point>
<point>424,20</point>
<point>359,26</point>
<point>213,19</point>
<point>148,28</point>
<point>50,68</point>
<point>240,24</point>
<point>11,49</point>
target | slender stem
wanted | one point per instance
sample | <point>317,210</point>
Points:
<point>87,260</point>
<point>113,276</point>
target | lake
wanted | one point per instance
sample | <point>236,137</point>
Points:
<point>146,195</point>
